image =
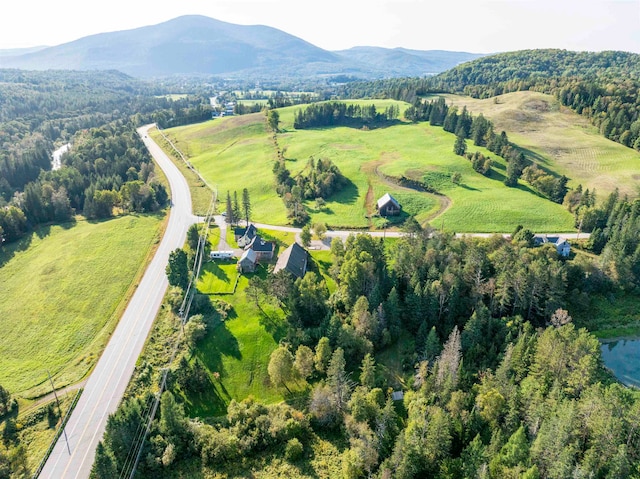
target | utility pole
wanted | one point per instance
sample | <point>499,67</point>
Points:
<point>59,411</point>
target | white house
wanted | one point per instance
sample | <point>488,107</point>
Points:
<point>562,245</point>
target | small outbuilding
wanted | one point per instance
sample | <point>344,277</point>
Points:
<point>248,261</point>
<point>562,245</point>
<point>293,259</point>
<point>388,206</point>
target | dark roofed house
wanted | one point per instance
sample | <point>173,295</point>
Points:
<point>245,236</point>
<point>294,260</point>
<point>388,206</point>
<point>263,249</point>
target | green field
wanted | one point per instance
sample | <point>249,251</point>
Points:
<point>233,153</point>
<point>238,152</point>
<point>560,140</point>
<point>422,152</point>
<point>62,293</point>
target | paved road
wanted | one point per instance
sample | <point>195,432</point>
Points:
<point>325,244</point>
<point>108,381</point>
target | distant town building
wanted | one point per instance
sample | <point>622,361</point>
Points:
<point>388,206</point>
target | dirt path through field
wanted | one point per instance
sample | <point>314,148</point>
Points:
<point>373,167</point>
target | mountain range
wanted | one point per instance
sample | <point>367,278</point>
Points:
<point>198,45</point>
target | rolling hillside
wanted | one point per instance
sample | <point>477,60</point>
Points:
<point>228,151</point>
<point>560,140</point>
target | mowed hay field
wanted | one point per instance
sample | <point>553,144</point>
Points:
<point>62,293</point>
<point>238,152</point>
<point>233,153</point>
<point>560,140</point>
<point>425,153</point>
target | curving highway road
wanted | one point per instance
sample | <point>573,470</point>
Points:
<point>108,381</point>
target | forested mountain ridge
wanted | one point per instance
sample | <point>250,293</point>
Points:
<point>196,44</point>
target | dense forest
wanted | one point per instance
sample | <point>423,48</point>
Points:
<point>499,382</point>
<point>97,112</point>
<point>602,86</point>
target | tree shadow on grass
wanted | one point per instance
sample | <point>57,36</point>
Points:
<point>9,250</point>
<point>275,326</point>
<point>212,402</point>
<point>348,195</point>
<point>218,343</point>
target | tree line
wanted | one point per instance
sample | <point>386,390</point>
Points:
<point>481,131</point>
<point>342,114</point>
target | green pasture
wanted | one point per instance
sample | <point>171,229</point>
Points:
<point>261,102</point>
<point>200,194</point>
<point>425,153</point>
<point>62,294</point>
<point>238,152</point>
<point>560,140</point>
<point>233,153</point>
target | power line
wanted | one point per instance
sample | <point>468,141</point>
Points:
<point>138,444</point>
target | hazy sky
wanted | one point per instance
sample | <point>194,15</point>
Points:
<point>481,26</point>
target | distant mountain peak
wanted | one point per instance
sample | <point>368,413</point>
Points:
<point>196,44</point>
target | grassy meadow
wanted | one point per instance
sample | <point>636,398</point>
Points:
<point>421,152</point>
<point>233,153</point>
<point>560,140</point>
<point>62,294</point>
<point>238,152</point>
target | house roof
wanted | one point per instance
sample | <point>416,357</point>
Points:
<point>248,255</point>
<point>556,240</point>
<point>386,199</point>
<point>258,244</point>
<point>250,232</point>
<point>294,260</point>
<point>397,395</point>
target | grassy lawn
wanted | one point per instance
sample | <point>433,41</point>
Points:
<point>217,277</point>
<point>239,350</point>
<point>560,140</point>
<point>235,153</point>
<point>75,293</point>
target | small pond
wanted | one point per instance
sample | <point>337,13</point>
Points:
<point>622,356</point>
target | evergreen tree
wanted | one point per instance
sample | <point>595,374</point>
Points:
<point>229,219</point>
<point>237,213</point>
<point>246,204</point>
<point>460,146</point>
<point>177,268</point>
